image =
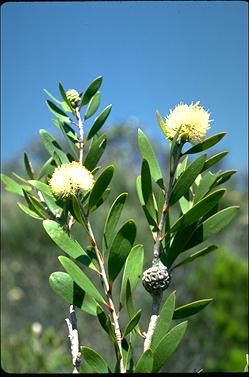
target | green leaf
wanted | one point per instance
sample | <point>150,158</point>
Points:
<point>208,143</point>
<point>13,186</point>
<point>95,152</point>
<point>63,285</point>
<point>63,94</point>
<point>132,270</point>
<point>91,90</point>
<point>52,97</point>
<point>80,278</point>
<point>43,187</point>
<point>52,146</point>
<point>132,322</point>
<point>168,345</point>
<point>129,300</point>
<point>224,176</point>
<point>28,166</point>
<point>48,168</point>
<point>94,360</point>
<point>66,242</point>
<point>161,123</point>
<point>197,254</point>
<point>179,243</point>
<point>113,218</point>
<point>212,225</point>
<point>120,248</point>
<point>103,198</point>
<point>105,322</point>
<point>152,223</point>
<point>35,205</point>
<point>28,211</point>
<point>164,320</point>
<point>147,190</point>
<point>99,121</point>
<point>198,210</point>
<point>191,308</point>
<point>58,112</point>
<point>186,179</point>
<point>70,137</point>
<point>148,154</point>
<point>204,186</point>
<point>100,186</point>
<point>93,105</point>
<point>213,160</point>
<point>145,362</point>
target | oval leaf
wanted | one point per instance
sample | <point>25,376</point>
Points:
<point>52,146</point>
<point>66,242</point>
<point>29,211</point>
<point>13,186</point>
<point>191,308</point>
<point>198,210</point>
<point>99,121</point>
<point>208,143</point>
<point>58,112</point>
<point>93,105</point>
<point>145,362</point>
<point>94,360</point>
<point>91,90</point>
<point>147,190</point>
<point>113,218</point>
<point>186,179</point>
<point>212,225</point>
<point>168,345</point>
<point>205,185</point>
<point>213,160</point>
<point>80,278</point>
<point>197,254</point>
<point>164,320</point>
<point>100,186</point>
<point>63,94</point>
<point>95,152</point>
<point>132,270</point>
<point>132,322</point>
<point>28,166</point>
<point>120,248</point>
<point>148,154</point>
<point>63,285</point>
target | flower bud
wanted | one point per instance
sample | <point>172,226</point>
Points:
<point>73,96</point>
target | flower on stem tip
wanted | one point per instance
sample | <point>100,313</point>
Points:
<point>68,179</point>
<point>72,95</point>
<point>193,120</point>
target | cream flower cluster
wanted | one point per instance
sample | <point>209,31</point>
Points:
<point>68,179</point>
<point>72,95</point>
<point>193,120</point>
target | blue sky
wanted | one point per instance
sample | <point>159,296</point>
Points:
<point>152,55</point>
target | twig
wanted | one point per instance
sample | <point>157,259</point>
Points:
<point>81,133</point>
<point>157,299</point>
<point>153,320</point>
<point>114,315</point>
<point>74,339</point>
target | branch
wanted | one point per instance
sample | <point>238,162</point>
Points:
<point>113,313</point>
<point>74,339</point>
<point>153,320</point>
<point>81,131</point>
<point>157,299</point>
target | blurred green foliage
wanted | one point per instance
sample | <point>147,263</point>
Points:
<point>216,339</point>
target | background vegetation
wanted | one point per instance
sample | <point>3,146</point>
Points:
<point>216,338</point>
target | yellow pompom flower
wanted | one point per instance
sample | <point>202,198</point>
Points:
<point>68,179</point>
<point>193,120</point>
